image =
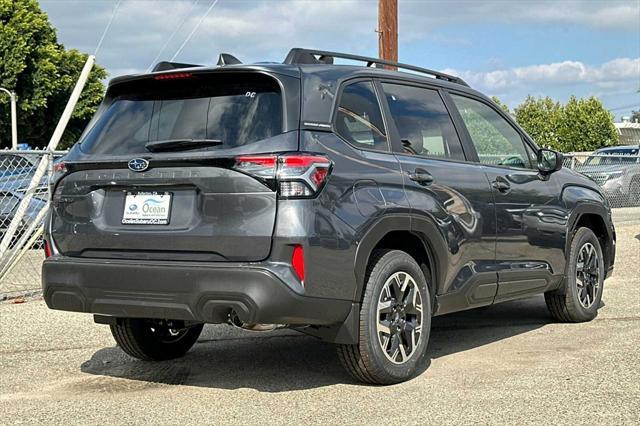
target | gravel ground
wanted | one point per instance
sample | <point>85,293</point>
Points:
<point>506,364</point>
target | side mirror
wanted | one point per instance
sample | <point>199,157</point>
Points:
<point>549,161</point>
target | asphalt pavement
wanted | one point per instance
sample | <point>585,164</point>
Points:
<point>505,364</point>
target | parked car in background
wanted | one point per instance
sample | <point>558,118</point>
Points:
<point>348,202</point>
<point>16,171</point>
<point>9,201</point>
<point>617,171</point>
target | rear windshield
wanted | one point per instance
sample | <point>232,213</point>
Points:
<point>236,109</point>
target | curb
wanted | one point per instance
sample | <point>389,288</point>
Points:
<point>20,296</point>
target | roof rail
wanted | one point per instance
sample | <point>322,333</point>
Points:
<point>310,56</point>
<point>166,66</point>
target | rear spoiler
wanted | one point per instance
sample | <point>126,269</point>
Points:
<point>223,59</point>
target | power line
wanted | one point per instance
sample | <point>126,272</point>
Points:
<point>106,29</point>
<point>624,107</point>
<point>175,31</point>
<point>194,30</point>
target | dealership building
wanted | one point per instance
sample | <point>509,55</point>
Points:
<point>628,133</point>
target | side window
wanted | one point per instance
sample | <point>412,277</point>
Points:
<point>496,141</point>
<point>423,122</point>
<point>359,120</point>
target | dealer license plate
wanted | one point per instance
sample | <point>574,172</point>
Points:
<point>147,208</point>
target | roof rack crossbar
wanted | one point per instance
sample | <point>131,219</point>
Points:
<point>306,56</point>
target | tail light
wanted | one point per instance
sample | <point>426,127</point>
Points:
<point>59,169</point>
<point>296,175</point>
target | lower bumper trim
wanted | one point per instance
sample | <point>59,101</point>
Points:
<point>182,291</point>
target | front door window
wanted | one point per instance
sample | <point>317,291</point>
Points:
<point>495,140</point>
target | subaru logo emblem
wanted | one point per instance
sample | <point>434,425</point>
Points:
<point>138,165</point>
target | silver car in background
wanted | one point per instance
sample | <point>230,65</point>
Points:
<point>617,171</point>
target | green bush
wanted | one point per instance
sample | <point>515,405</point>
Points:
<point>579,125</point>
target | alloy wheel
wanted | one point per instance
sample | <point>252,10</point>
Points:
<point>588,275</point>
<point>399,317</point>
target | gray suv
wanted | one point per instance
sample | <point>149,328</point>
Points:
<point>352,203</point>
<point>617,171</point>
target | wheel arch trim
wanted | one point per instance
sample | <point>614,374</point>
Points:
<point>587,207</point>
<point>426,231</point>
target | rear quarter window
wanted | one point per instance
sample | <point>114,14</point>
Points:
<point>359,118</point>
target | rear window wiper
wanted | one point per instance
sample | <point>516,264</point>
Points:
<point>180,144</point>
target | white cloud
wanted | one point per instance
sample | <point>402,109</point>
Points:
<point>620,71</point>
<point>612,16</point>
<point>265,29</point>
<point>618,15</point>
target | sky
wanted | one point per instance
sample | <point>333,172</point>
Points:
<point>505,48</point>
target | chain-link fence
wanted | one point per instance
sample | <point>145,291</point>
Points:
<point>20,264</point>
<point>617,175</point>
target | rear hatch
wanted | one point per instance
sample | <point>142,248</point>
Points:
<point>156,175</point>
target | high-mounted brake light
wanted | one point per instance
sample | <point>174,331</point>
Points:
<point>173,76</point>
<point>297,175</point>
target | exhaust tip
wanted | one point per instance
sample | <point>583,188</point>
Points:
<point>238,323</point>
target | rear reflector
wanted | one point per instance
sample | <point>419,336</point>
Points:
<point>297,261</point>
<point>47,250</point>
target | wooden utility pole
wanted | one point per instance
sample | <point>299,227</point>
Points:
<point>388,30</point>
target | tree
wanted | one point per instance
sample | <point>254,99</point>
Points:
<point>502,106</point>
<point>541,119</point>
<point>586,125</point>
<point>42,73</point>
<point>580,125</point>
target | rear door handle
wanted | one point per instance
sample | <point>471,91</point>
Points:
<point>421,176</point>
<point>501,185</point>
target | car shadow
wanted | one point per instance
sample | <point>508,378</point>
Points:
<point>281,361</point>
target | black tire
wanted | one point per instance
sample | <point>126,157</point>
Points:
<point>565,305</point>
<point>367,361</point>
<point>150,341</point>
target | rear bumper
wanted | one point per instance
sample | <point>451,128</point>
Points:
<point>259,293</point>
